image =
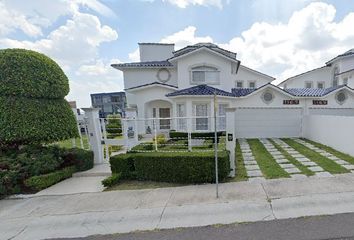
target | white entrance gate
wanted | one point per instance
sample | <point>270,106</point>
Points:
<point>268,122</point>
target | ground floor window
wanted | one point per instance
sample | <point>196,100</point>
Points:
<point>221,120</point>
<point>164,113</point>
<point>181,114</point>
<point>201,114</point>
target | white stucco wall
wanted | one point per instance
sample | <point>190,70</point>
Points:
<point>319,75</point>
<point>136,77</point>
<point>227,79</point>
<point>334,131</point>
<point>155,52</point>
<point>246,75</point>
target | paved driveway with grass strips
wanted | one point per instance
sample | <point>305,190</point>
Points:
<point>290,158</point>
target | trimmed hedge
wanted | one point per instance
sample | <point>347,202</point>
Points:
<point>40,182</point>
<point>32,105</point>
<point>82,159</point>
<point>174,135</point>
<point>31,74</point>
<point>198,167</point>
<point>111,180</point>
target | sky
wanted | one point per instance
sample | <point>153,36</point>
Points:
<point>277,37</point>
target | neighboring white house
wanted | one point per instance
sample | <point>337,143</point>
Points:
<point>338,71</point>
<point>180,86</point>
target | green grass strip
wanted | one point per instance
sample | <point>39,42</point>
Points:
<point>327,164</point>
<point>269,167</point>
<point>343,156</point>
<point>292,160</point>
<point>241,173</point>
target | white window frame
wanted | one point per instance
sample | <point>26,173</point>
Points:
<point>345,80</point>
<point>202,118</point>
<point>249,84</point>
<point>309,82</point>
<point>207,70</point>
<point>239,81</point>
<point>221,120</point>
<point>181,120</point>
<point>323,84</point>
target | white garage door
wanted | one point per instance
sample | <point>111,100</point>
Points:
<point>268,122</point>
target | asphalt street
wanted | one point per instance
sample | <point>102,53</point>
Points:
<point>340,226</point>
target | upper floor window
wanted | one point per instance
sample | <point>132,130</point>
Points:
<point>308,85</point>
<point>335,77</point>
<point>205,75</point>
<point>252,84</point>
<point>345,81</point>
<point>320,85</point>
<point>239,84</point>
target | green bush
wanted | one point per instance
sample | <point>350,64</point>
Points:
<point>111,180</point>
<point>173,135</point>
<point>160,139</point>
<point>40,182</point>
<point>123,164</point>
<point>114,126</point>
<point>191,167</point>
<point>82,159</point>
<point>9,181</point>
<point>32,104</point>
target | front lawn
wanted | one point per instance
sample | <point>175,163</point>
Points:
<point>269,167</point>
<point>338,154</point>
<point>291,159</point>
<point>327,164</point>
<point>241,173</point>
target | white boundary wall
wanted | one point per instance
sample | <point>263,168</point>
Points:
<point>334,131</point>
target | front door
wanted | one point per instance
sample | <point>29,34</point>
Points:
<point>164,113</point>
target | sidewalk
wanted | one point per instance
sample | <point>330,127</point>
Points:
<point>84,214</point>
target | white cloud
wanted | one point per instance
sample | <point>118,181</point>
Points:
<point>307,40</point>
<point>181,39</point>
<point>32,18</point>
<point>11,20</point>
<point>186,3</point>
<point>73,43</point>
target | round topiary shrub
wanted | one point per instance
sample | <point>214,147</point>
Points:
<point>32,104</point>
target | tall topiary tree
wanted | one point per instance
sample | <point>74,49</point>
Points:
<point>32,105</point>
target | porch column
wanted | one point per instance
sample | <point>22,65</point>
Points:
<point>189,115</point>
<point>173,116</point>
<point>94,133</point>
<point>231,137</point>
<point>305,116</point>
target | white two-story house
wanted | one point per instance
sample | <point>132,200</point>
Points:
<point>337,71</point>
<point>177,89</point>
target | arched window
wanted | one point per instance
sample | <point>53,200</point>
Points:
<point>335,79</point>
<point>205,75</point>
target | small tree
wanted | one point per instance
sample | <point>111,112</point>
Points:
<point>32,105</point>
<point>114,125</point>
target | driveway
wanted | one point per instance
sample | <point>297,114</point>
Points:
<point>79,215</point>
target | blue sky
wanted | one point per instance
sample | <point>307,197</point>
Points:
<point>278,37</point>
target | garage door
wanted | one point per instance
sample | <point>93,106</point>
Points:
<point>268,122</point>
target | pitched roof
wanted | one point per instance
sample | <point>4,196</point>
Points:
<point>311,92</point>
<point>347,53</point>
<point>298,75</point>
<point>200,90</point>
<point>241,92</point>
<point>210,46</point>
<point>143,64</point>
<point>151,84</point>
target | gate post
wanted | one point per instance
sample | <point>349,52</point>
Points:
<point>94,133</point>
<point>231,137</point>
<point>131,128</point>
